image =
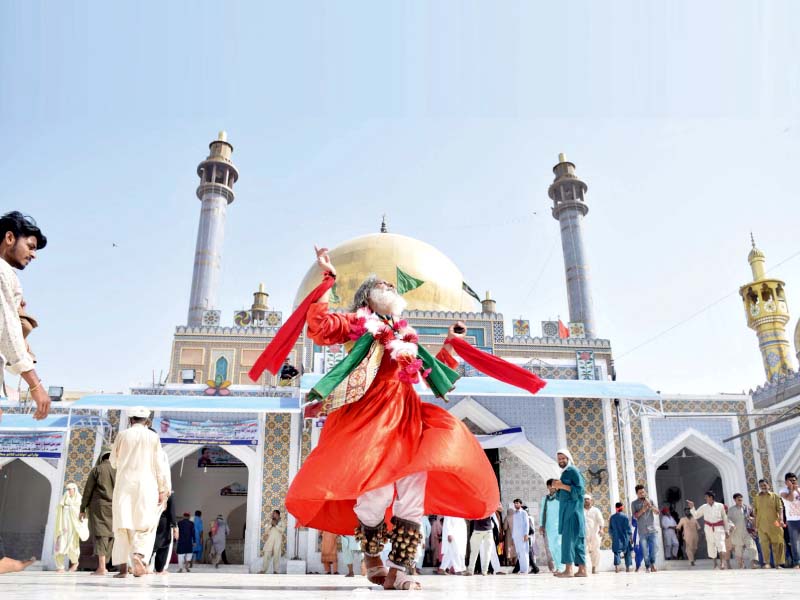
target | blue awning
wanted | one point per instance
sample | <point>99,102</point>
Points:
<point>28,423</point>
<point>191,403</point>
<point>555,388</point>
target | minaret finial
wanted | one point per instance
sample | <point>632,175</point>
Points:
<point>384,228</point>
<point>752,239</point>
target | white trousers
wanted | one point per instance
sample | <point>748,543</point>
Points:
<point>593,551</point>
<point>272,554</point>
<point>351,551</point>
<point>453,557</point>
<point>482,541</point>
<point>715,540</point>
<point>128,542</point>
<point>409,505</point>
<point>73,555</point>
<point>184,558</point>
<point>523,549</point>
<point>671,543</point>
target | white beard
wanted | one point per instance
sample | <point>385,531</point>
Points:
<point>386,301</point>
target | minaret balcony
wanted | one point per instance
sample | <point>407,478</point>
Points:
<point>216,189</point>
<point>561,206</point>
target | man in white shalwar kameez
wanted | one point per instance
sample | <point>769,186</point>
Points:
<point>140,492</point>
<point>593,520</point>
<point>520,534</point>
<point>716,527</point>
<point>454,544</point>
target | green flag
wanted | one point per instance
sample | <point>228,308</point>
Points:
<point>470,291</point>
<point>335,296</point>
<point>406,283</point>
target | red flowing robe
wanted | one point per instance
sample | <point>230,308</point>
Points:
<point>388,434</point>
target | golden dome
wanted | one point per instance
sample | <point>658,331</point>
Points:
<point>382,254</point>
<point>797,340</point>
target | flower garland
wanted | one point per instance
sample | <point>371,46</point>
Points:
<point>399,339</point>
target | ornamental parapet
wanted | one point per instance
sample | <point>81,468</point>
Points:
<point>447,314</point>
<point>524,340</point>
<point>781,388</point>
<point>226,331</point>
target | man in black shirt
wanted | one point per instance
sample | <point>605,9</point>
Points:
<point>288,372</point>
<point>186,542</point>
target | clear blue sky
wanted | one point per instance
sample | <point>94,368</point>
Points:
<point>680,116</point>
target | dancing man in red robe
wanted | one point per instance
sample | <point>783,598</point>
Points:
<point>384,455</point>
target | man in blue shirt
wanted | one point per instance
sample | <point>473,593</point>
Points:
<point>198,536</point>
<point>619,526</point>
<point>571,524</point>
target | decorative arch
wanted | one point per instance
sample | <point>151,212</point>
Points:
<point>221,368</point>
<point>731,470</point>
<point>250,458</point>
<point>55,477</point>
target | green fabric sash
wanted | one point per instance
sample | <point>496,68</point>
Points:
<point>441,379</point>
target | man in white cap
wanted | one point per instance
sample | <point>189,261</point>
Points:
<point>594,529</point>
<point>140,492</point>
<point>571,526</point>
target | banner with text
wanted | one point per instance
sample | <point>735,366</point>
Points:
<point>219,433</point>
<point>39,444</point>
<point>513,436</point>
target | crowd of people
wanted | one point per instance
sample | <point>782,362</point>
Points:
<point>511,544</point>
<point>127,505</point>
<point>127,508</point>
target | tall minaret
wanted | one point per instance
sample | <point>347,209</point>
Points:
<point>569,207</point>
<point>767,314</point>
<point>217,175</point>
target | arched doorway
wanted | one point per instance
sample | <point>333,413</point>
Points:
<point>237,519</point>
<point>687,476</point>
<point>23,524</point>
<point>216,485</point>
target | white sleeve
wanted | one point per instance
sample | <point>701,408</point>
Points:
<point>12,343</point>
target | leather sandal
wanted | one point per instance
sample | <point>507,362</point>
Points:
<point>403,581</point>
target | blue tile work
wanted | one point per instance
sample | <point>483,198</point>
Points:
<point>275,481</point>
<point>80,456</point>
<point>781,441</point>
<point>586,439</point>
<point>537,416</point>
<point>664,431</point>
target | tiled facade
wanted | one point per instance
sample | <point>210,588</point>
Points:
<point>518,480</point>
<point>586,438</point>
<point>80,455</point>
<point>277,434</point>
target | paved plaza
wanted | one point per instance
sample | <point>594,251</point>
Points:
<point>36,585</point>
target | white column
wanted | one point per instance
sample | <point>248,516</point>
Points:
<point>295,444</point>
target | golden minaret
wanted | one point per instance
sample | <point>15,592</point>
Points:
<point>767,314</point>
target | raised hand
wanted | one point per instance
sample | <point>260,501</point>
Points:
<point>457,329</point>
<point>324,261</point>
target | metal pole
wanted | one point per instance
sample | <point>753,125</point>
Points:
<point>301,422</point>
<point>623,456</point>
